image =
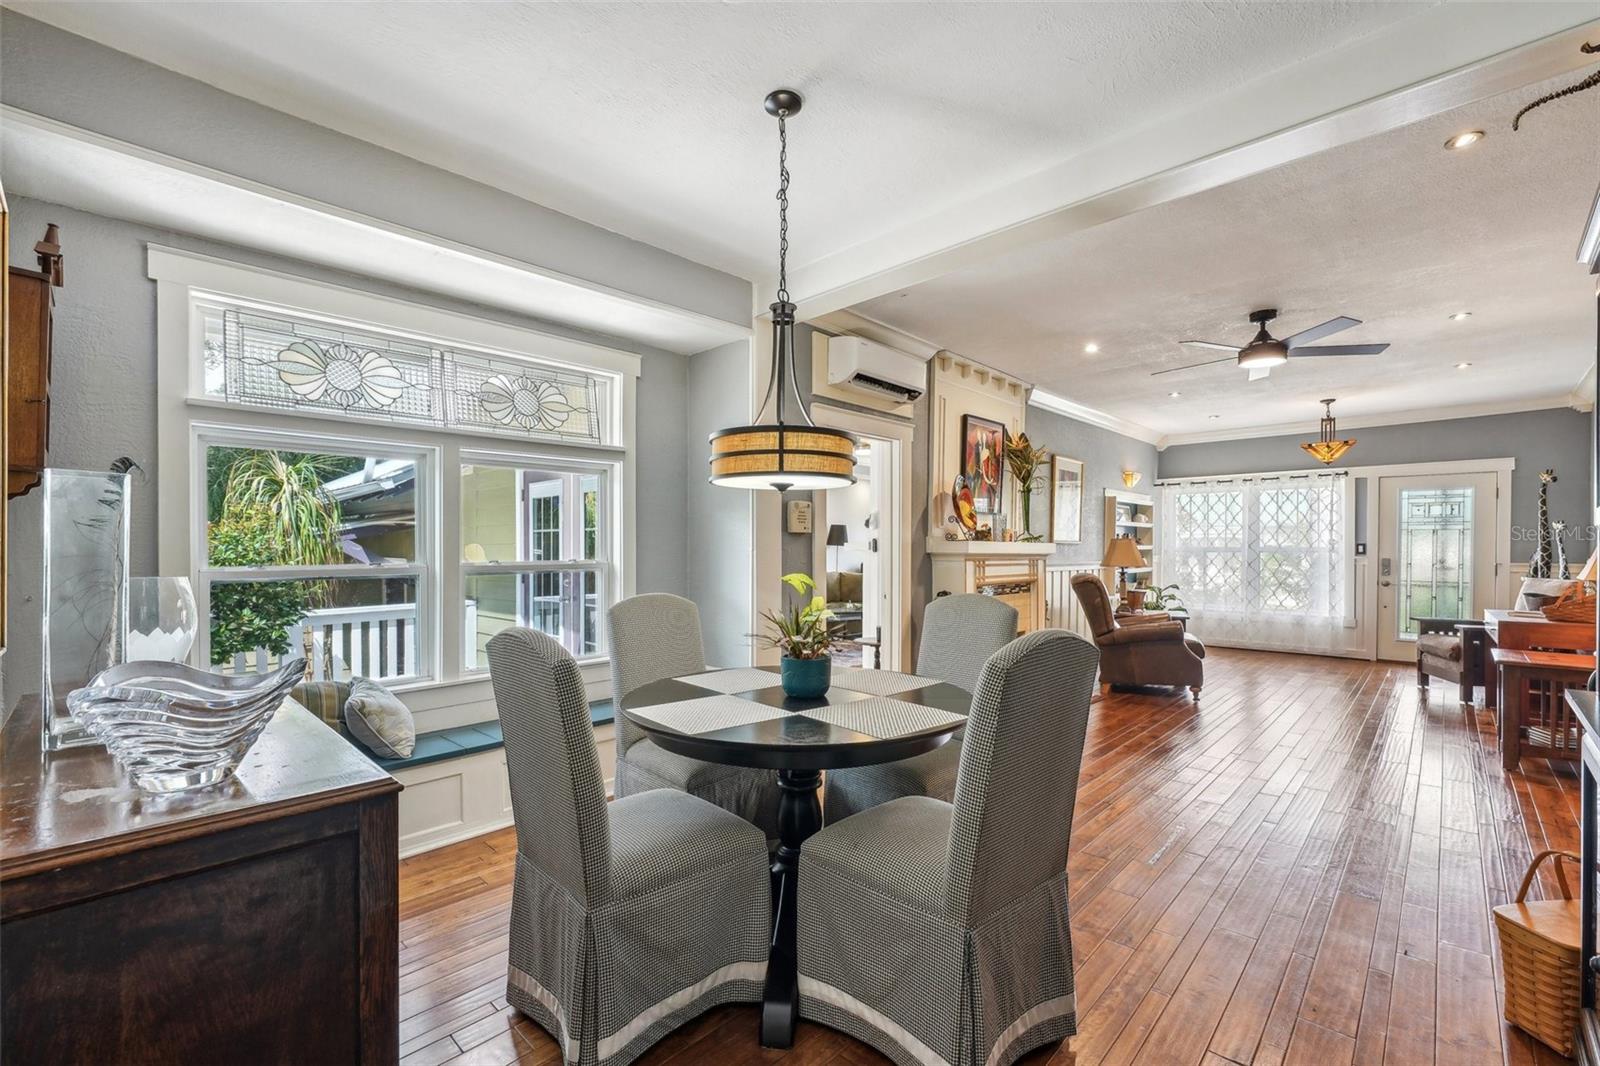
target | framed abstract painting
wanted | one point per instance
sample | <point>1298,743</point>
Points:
<point>983,461</point>
<point>1066,500</point>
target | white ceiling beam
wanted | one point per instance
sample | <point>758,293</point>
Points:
<point>1446,57</point>
<point>65,164</point>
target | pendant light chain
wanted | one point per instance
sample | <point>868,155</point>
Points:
<point>777,455</point>
<point>783,209</point>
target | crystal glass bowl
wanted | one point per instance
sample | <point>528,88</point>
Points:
<point>173,727</point>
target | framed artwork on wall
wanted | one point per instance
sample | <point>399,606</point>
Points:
<point>1066,500</point>
<point>983,461</point>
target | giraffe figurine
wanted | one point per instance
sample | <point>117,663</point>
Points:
<point>1544,553</point>
<point>1558,546</point>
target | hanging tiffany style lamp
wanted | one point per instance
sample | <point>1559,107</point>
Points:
<point>1327,448</point>
<point>780,455</point>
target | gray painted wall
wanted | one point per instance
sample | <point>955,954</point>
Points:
<point>721,522</point>
<point>1558,438</point>
<point>57,74</point>
<point>103,390</point>
<point>1105,455</point>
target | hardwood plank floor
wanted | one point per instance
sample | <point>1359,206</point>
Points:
<point>1299,869</point>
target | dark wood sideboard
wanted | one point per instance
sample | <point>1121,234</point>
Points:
<point>252,922</point>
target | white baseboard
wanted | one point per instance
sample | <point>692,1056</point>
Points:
<point>453,800</point>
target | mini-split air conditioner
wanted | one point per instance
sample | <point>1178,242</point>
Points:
<point>865,366</point>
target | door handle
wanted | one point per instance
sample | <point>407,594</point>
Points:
<point>1386,584</point>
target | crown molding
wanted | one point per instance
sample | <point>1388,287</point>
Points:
<point>1390,418</point>
<point>1060,405</point>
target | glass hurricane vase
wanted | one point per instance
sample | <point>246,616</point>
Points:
<point>162,619</point>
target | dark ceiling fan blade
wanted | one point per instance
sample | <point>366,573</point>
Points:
<point>1191,366</point>
<point>1211,344</point>
<point>1327,329</point>
<point>1338,349</point>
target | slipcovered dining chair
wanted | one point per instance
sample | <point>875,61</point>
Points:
<point>938,932</point>
<point>630,918</point>
<point>959,633</point>
<point>657,636</point>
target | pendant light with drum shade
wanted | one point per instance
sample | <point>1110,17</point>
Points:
<point>778,455</point>
<point>1327,449</point>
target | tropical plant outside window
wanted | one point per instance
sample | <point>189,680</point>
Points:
<point>318,519</point>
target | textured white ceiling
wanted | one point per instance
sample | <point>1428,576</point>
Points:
<point>1392,230</point>
<point>646,118</point>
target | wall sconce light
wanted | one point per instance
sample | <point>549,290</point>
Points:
<point>1131,478</point>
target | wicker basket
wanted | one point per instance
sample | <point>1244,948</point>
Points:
<point>1539,947</point>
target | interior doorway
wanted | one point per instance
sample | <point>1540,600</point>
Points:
<point>861,543</point>
<point>1437,553</point>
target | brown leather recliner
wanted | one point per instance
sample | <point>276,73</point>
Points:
<point>1139,653</point>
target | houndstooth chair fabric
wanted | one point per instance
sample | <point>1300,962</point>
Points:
<point>657,636</point>
<point>630,918</point>
<point>938,932</point>
<point>959,633</point>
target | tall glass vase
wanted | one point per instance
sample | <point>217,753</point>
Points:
<point>1027,510</point>
<point>85,590</point>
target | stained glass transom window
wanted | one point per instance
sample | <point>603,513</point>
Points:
<point>276,359</point>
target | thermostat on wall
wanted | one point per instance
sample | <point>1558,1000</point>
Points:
<point>799,516</point>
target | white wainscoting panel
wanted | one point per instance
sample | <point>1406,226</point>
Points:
<point>456,799</point>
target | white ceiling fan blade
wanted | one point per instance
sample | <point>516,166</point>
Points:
<point>1326,329</point>
<point>1259,372</point>
<point>1211,344</point>
<point>1191,366</point>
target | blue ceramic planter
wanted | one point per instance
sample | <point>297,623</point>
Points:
<point>806,679</point>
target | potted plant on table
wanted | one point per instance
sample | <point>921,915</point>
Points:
<point>804,637</point>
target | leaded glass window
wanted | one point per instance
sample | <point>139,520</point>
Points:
<point>279,359</point>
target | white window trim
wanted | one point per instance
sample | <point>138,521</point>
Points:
<point>184,279</point>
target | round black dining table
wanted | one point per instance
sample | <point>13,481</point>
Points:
<point>741,717</point>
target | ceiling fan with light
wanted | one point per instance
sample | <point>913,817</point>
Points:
<point>1266,351</point>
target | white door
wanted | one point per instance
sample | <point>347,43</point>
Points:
<point>1436,554</point>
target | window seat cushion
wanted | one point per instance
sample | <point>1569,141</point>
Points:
<point>459,741</point>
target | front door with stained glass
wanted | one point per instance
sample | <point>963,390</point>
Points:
<point>1435,554</point>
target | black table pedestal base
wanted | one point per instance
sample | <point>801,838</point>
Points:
<point>799,815</point>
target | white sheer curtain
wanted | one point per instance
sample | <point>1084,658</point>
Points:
<point>1261,560</point>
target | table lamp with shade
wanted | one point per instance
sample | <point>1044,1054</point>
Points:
<point>1122,553</point>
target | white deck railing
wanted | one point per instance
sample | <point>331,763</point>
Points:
<point>377,642</point>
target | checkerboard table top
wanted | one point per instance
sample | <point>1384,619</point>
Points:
<point>742,716</point>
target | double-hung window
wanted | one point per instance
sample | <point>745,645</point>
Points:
<point>315,546</point>
<point>382,486</point>
<point>536,551</point>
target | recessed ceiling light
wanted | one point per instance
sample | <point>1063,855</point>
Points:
<point>1213,417</point>
<point>1459,315</point>
<point>1174,394</point>
<point>1091,347</point>
<point>1462,366</point>
<point>1464,139</point>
